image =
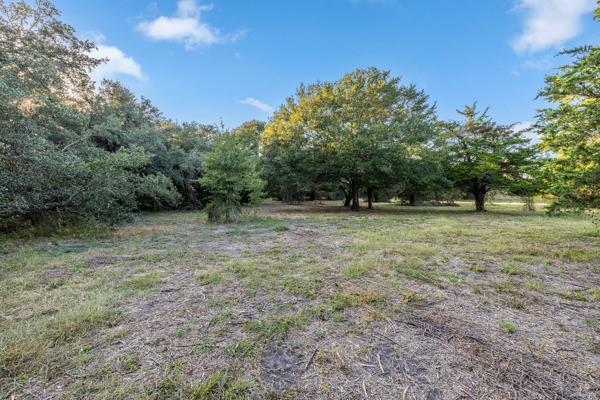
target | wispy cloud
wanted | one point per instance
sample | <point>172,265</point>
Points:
<point>539,64</point>
<point>550,23</point>
<point>544,64</point>
<point>117,62</point>
<point>258,104</point>
<point>187,26</point>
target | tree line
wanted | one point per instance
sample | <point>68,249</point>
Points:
<point>74,149</point>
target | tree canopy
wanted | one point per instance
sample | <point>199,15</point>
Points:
<point>73,148</point>
<point>355,133</point>
<point>69,148</point>
<point>484,155</point>
<point>570,131</point>
<point>231,175</point>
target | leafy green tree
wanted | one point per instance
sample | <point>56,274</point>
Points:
<point>484,156</point>
<point>570,132</point>
<point>356,132</point>
<point>65,150</point>
<point>176,150</point>
<point>230,173</point>
<point>39,182</point>
<point>249,134</point>
<point>42,62</point>
<point>424,178</point>
<point>44,88</point>
<point>186,146</point>
<point>287,162</point>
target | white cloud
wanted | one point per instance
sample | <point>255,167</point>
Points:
<point>118,64</point>
<point>186,26</point>
<point>258,104</point>
<point>550,23</point>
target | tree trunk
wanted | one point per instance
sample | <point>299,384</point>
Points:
<point>370,197</point>
<point>529,203</point>
<point>347,197</point>
<point>479,200</point>
<point>355,201</point>
<point>412,200</point>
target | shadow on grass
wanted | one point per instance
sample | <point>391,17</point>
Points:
<point>316,207</point>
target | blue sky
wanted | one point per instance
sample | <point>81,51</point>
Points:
<point>238,59</point>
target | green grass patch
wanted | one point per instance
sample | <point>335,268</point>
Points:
<point>223,384</point>
<point>241,349</point>
<point>507,327</point>
<point>300,286</point>
<point>515,270</point>
<point>574,295</point>
<point>276,327</point>
<point>146,281</point>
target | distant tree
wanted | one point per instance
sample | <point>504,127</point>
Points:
<point>118,120</point>
<point>483,155</point>
<point>288,163</point>
<point>181,160</point>
<point>425,176</point>
<point>356,132</point>
<point>230,173</point>
<point>570,132</point>
<point>249,134</point>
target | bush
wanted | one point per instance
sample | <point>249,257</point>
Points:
<point>230,176</point>
<point>41,181</point>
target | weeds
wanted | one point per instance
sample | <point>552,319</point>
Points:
<point>277,327</point>
<point>508,327</point>
<point>223,385</point>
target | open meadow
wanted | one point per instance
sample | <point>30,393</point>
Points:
<point>306,301</point>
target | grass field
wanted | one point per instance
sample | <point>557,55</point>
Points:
<point>307,301</point>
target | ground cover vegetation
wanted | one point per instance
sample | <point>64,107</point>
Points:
<point>307,301</point>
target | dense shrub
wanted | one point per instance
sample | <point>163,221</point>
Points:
<point>69,149</point>
<point>231,176</point>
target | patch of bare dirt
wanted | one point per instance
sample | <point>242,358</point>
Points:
<point>105,260</point>
<point>280,367</point>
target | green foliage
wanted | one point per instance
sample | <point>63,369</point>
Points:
<point>425,176</point>
<point>74,150</point>
<point>68,151</point>
<point>507,327</point>
<point>223,384</point>
<point>354,133</point>
<point>485,156</point>
<point>569,132</point>
<point>248,134</point>
<point>41,58</point>
<point>231,177</point>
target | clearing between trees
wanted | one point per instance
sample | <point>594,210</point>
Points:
<point>307,301</point>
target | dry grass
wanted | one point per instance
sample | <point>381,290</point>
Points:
<point>307,301</point>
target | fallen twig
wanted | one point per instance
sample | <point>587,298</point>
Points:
<point>310,360</point>
<point>379,361</point>
<point>385,337</point>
